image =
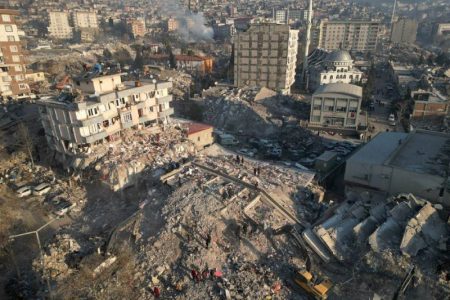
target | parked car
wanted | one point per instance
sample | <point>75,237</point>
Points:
<point>41,189</point>
<point>391,120</point>
<point>63,207</point>
<point>24,191</point>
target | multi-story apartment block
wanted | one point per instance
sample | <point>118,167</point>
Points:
<point>349,35</point>
<point>85,19</point>
<point>265,55</point>
<point>137,27</point>
<point>336,105</point>
<point>97,109</point>
<point>59,27</point>
<point>404,31</point>
<point>86,25</point>
<point>12,63</point>
<point>172,24</point>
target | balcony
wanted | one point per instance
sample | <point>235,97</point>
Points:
<point>166,113</point>
<point>111,129</point>
<point>95,137</point>
<point>164,99</point>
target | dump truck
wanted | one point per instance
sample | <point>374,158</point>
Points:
<point>309,284</point>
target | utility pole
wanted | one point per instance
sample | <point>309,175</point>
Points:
<point>307,42</point>
<point>38,240</point>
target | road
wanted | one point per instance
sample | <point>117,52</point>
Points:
<point>378,118</point>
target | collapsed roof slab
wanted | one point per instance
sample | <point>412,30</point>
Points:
<point>387,236</point>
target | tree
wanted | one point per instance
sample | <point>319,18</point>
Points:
<point>172,60</point>
<point>139,60</point>
<point>25,141</point>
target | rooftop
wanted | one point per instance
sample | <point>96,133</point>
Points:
<point>339,55</point>
<point>197,127</point>
<point>424,152</point>
<point>378,150</point>
<point>421,151</point>
<point>339,88</point>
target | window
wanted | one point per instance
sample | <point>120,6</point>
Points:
<point>11,38</point>
<point>150,108</point>
<point>6,18</point>
<point>127,118</point>
<point>341,109</point>
<point>8,28</point>
<point>317,107</point>
<point>13,48</point>
<point>16,58</point>
<point>92,112</point>
<point>22,86</point>
<point>330,108</point>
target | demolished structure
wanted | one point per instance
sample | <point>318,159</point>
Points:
<point>403,222</point>
<point>94,112</point>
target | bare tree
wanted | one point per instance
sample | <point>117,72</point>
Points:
<point>26,141</point>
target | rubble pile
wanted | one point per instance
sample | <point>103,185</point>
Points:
<point>141,150</point>
<point>58,256</point>
<point>204,227</point>
<point>253,110</point>
<point>181,82</point>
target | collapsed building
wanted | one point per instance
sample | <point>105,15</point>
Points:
<point>96,110</point>
<point>403,222</point>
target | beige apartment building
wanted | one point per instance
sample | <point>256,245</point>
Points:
<point>349,35</point>
<point>85,19</point>
<point>86,25</point>
<point>12,61</point>
<point>172,24</point>
<point>59,27</point>
<point>137,27</point>
<point>336,105</point>
<point>265,55</point>
<point>96,110</point>
<point>404,31</point>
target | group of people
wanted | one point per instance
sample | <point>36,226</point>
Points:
<point>198,276</point>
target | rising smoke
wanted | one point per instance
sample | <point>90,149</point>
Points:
<point>192,26</point>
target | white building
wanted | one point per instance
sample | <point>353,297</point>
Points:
<point>349,35</point>
<point>96,110</point>
<point>266,55</point>
<point>333,67</point>
<point>336,106</point>
<point>59,27</point>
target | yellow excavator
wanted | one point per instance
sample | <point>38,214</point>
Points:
<point>309,284</point>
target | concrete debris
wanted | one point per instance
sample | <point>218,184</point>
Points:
<point>403,222</point>
<point>58,259</point>
<point>425,229</point>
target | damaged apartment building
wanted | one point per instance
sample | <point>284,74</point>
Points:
<point>96,109</point>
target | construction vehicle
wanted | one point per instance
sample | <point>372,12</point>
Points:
<point>309,284</point>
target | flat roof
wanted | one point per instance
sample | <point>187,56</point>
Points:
<point>424,152</point>
<point>378,150</point>
<point>339,88</point>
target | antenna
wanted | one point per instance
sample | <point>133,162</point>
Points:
<point>307,41</point>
